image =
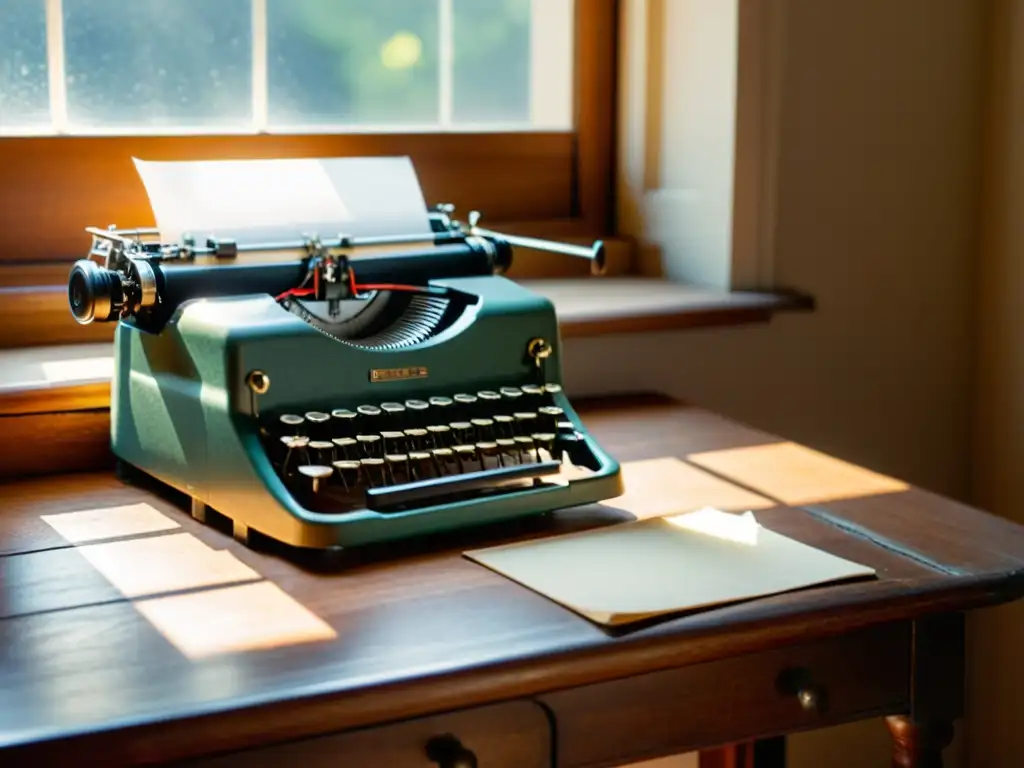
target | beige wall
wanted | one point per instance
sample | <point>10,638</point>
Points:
<point>875,202</point>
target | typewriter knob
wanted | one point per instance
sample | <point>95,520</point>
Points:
<point>258,382</point>
<point>94,293</point>
<point>539,349</point>
<point>447,752</point>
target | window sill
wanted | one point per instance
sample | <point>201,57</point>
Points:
<point>75,378</point>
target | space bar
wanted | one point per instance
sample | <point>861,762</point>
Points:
<point>409,493</point>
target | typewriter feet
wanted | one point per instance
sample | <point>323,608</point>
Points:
<point>198,510</point>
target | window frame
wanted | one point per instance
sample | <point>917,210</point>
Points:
<point>546,184</point>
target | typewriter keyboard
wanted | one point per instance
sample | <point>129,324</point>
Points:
<point>400,455</point>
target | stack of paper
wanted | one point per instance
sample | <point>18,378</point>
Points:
<point>639,570</point>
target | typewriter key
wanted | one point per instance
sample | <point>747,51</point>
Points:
<point>507,446</point>
<point>369,443</point>
<point>292,420</point>
<point>552,414</point>
<point>526,447</point>
<point>398,466</point>
<point>441,402</point>
<point>486,450</point>
<point>488,396</point>
<point>461,430</point>
<point>465,401</point>
<point>394,412</point>
<point>394,442</point>
<point>464,454</point>
<point>295,443</point>
<point>442,458</point>
<point>525,421</point>
<point>373,470</point>
<point>511,393</point>
<point>417,405</point>
<point>316,474</point>
<point>368,410</point>
<point>552,389</point>
<point>504,425</point>
<point>533,390</point>
<point>322,450</point>
<point>439,434</point>
<point>315,417</point>
<point>544,440</point>
<point>348,471</point>
<point>419,462</point>
<point>417,438</point>
<point>484,428</point>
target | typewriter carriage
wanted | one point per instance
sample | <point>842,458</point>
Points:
<point>213,355</point>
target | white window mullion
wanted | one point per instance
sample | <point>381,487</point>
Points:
<point>259,65</point>
<point>55,65</point>
<point>446,60</point>
<point>552,37</point>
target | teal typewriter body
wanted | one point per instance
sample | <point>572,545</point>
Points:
<point>449,416</point>
<point>333,394</point>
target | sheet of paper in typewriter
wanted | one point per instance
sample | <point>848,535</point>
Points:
<point>284,200</point>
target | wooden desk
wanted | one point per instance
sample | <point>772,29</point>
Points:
<point>247,652</point>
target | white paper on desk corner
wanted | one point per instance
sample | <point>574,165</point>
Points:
<point>261,201</point>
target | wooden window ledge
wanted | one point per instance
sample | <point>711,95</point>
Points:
<point>59,379</point>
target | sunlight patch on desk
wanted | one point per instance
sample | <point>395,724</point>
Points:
<point>109,522</point>
<point>234,619</point>
<point>667,485</point>
<point>162,564</point>
<point>82,369</point>
<point>796,475</point>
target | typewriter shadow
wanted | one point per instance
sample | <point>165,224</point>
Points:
<point>406,551</point>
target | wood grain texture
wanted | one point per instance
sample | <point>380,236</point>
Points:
<point>413,630</point>
<point>864,674</point>
<point>39,444</point>
<point>54,191</point>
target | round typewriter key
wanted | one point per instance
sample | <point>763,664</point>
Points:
<point>394,441</point>
<point>348,471</point>
<point>374,471</point>
<point>533,389</point>
<point>417,405</point>
<point>504,425</point>
<point>545,440</point>
<point>552,389</point>
<point>463,399</point>
<point>323,449</point>
<point>316,474</point>
<point>525,445</point>
<point>291,420</point>
<point>439,434</point>
<point>488,396</point>
<point>392,408</point>
<point>368,410</point>
<point>315,417</point>
<point>525,421</point>
<point>345,444</point>
<point>461,429</point>
<point>511,392</point>
<point>464,454</point>
<point>398,464</point>
<point>441,402</point>
<point>419,464</point>
<point>369,443</point>
<point>344,414</point>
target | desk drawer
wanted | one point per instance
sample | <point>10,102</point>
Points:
<point>512,735</point>
<point>784,690</point>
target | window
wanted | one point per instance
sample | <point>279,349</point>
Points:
<point>504,106</point>
<point>194,66</point>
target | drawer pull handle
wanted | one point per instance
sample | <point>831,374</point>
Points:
<point>447,752</point>
<point>808,699</point>
<point>800,684</point>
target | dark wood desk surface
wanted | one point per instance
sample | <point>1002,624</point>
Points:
<point>243,649</point>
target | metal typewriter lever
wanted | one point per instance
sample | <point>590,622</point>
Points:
<point>380,499</point>
<point>594,253</point>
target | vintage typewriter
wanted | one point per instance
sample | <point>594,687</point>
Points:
<point>337,393</point>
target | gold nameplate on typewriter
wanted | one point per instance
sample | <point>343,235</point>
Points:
<point>398,374</point>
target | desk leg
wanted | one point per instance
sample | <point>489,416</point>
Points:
<point>917,744</point>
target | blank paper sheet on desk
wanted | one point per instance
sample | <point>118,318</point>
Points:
<point>640,570</point>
